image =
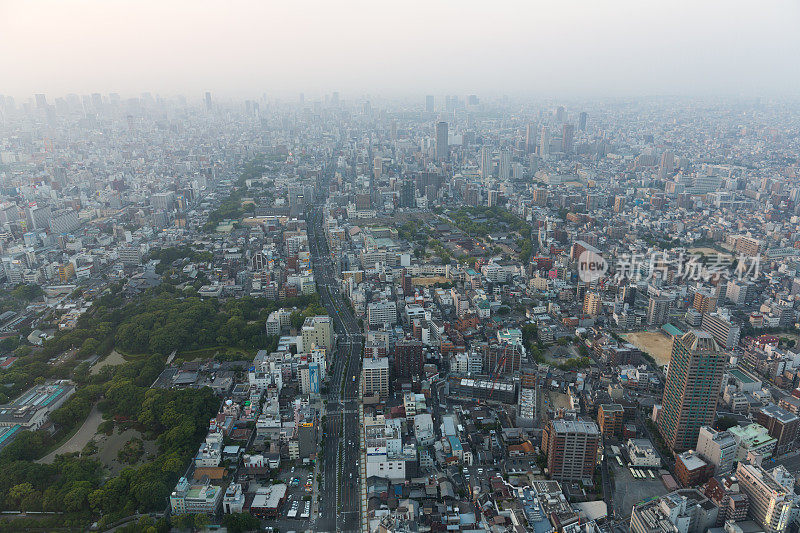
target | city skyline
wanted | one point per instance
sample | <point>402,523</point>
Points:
<point>618,48</point>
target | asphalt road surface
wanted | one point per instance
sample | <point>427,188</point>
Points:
<point>340,507</point>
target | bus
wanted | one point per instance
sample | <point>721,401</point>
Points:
<point>652,475</point>
<point>619,461</point>
<point>292,512</point>
<point>306,510</point>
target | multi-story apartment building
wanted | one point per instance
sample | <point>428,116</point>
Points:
<point>770,502</point>
<point>571,447</point>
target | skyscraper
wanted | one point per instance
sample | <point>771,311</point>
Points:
<point>567,136</point>
<point>486,163</point>
<point>429,107</point>
<point>582,121</point>
<point>693,383</point>
<point>505,164</point>
<point>208,101</point>
<point>442,152</point>
<point>544,142</point>
<point>530,143</point>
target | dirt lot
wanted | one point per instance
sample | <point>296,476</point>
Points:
<point>705,251</point>
<point>80,438</point>
<point>559,354</point>
<point>110,447</point>
<point>655,343</point>
<point>113,359</point>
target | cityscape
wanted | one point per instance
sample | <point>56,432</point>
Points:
<point>355,309</point>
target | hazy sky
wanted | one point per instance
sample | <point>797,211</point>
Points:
<point>552,47</point>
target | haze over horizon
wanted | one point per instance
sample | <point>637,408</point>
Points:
<point>242,49</point>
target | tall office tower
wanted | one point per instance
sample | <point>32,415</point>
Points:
<point>530,143</point>
<point>770,502</point>
<point>505,164</point>
<point>693,383</point>
<point>429,103</point>
<point>544,142</point>
<point>561,114</point>
<point>408,359</point>
<point>619,204</point>
<point>41,101</point>
<point>442,152</point>
<point>571,448</point>
<point>567,136</point>
<point>486,163</point>
<point>335,98</point>
<point>208,101</point>
<point>582,121</point>
<point>491,198</point>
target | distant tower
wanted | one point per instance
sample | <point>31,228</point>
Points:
<point>486,163</point>
<point>529,138</point>
<point>429,107</point>
<point>505,164</point>
<point>561,114</point>
<point>693,382</point>
<point>442,152</point>
<point>208,101</point>
<point>567,135</point>
<point>582,121</point>
<point>544,142</point>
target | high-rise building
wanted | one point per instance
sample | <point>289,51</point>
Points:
<point>567,137</point>
<point>571,448</point>
<point>486,163</point>
<point>530,141</point>
<point>429,103</point>
<point>717,448</point>
<point>781,424</point>
<point>592,304</point>
<point>317,331</point>
<point>667,164</point>
<point>208,101</point>
<point>704,301</point>
<point>544,142</point>
<point>375,377</point>
<point>407,193</point>
<point>408,359</point>
<point>609,418</point>
<point>504,171</point>
<point>724,330</point>
<point>658,310</point>
<point>582,121</point>
<point>442,150</point>
<point>503,358</point>
<point>770,502</point>
<point>694,380</point>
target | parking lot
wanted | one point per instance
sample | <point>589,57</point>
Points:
<point>299,495</point>
<point>629,490</point>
